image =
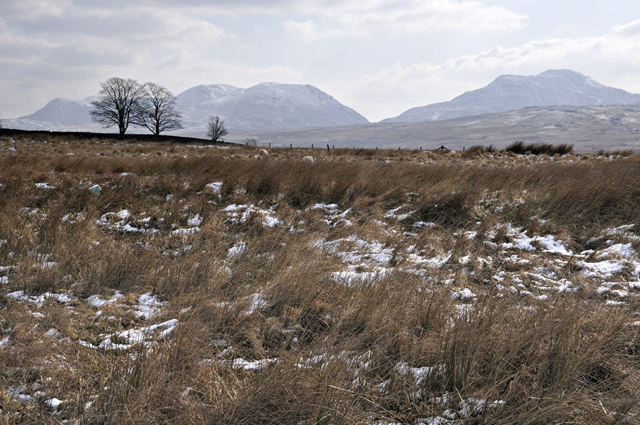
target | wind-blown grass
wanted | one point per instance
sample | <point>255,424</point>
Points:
<point>269,330</point>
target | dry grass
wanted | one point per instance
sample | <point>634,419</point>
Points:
<point>537,149</point>
<point>394,347</point>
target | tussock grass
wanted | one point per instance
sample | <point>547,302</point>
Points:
<point>391,349</point>
<point>519,147</point>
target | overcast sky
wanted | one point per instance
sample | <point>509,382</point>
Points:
<point>380,57</point>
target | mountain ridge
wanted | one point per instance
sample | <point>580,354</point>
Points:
<point>554,87</point>
<point>263,106</point>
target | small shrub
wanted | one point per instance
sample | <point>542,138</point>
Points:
<point>520,148</point>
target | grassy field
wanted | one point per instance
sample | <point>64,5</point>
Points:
<point>217,285</point>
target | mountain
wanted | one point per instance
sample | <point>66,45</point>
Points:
<point>64,110</point>
<point>588,128</point>
<point>509,92</point>
<point>264,106</point>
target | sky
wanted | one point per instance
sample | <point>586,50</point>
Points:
<point>379,57</point>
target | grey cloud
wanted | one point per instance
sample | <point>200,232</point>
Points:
<point>128,23</point>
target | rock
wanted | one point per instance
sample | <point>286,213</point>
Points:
<point>95,190</point>
<point>263,152</point>
<point>308,159</point>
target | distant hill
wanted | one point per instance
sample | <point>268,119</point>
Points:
<point>264,106</point>
<point>64,110</point>
<point>510,92</point>
<point>588,128</point>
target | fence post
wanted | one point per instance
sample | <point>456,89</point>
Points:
<point>328,150</point>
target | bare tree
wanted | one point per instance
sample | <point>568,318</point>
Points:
<point>216,129</point>
<point>157,110</point>
<point>119,103</point>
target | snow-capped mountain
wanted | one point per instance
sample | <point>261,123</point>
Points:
<point>264,106</point>
<point>509,92</point>
<point>64,110</point>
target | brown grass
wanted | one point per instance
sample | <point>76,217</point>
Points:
<point>520,148</point>
<point>337,350</point>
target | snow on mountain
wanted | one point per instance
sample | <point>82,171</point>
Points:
<point>64,110</point>
<point>264,106</point>
<point>199,103</point>
<point>509,92</point>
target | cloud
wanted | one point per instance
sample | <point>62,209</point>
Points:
<point>65,48</point>
<point>115,24</point>
<point>364,18</point>
<point>306,29</point>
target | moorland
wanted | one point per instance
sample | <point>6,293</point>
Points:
<point>146,282</point>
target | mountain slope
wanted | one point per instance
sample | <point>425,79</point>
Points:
<point>64,110</point>
<point>588,128</point>
<point>509,92</point>
<point>198,103</point>
<point>264,106</point>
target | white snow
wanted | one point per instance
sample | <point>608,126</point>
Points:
<point>215,188</point>
<point>96,301</point>
<point>242,213</point>
<point>5,342</point>
<point>195,221</point>
<point>418,373</point>
<point>394,214</point>
<point>53,403</point>
<point>137,336</point>
<point>256,302</point>
<point>45,186</point>
<point>186,231</point>
<point>462,294</point>
<point>351,276</point>
<point>329,208</point>
<point>124,214</point>
<point>525,243</point>
<point>148,306</point>
<point>554,246</point>
<point>122,225</point>
<point>40,299</point>
<point>51,332</point>
<point>600,269</point>
<point>241,363</point>
<point>622,250</point>
<point>237,249</point>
